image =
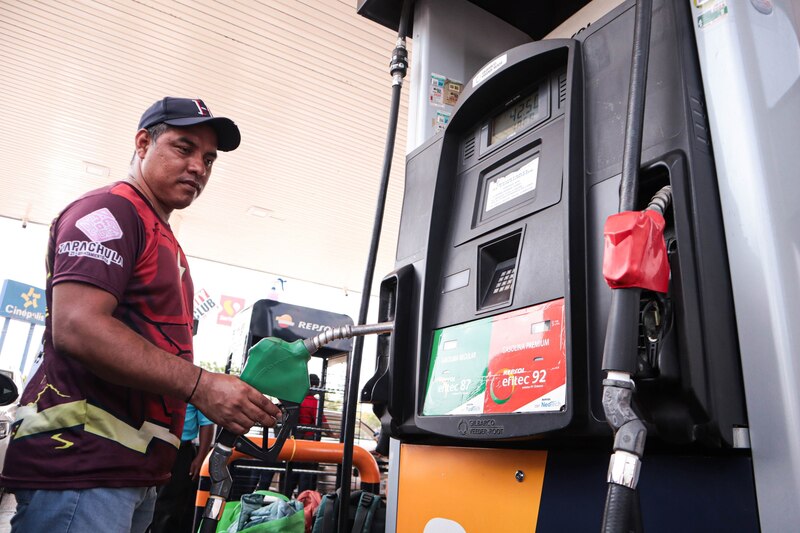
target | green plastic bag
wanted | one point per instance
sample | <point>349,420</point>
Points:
<point>294,523</point>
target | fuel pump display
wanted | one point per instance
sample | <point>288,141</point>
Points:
<point>506,186</point>
<point>518,116</point>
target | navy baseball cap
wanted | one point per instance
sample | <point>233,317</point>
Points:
<point>182,112</point>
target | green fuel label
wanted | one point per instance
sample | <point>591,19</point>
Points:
<point>457,378</point>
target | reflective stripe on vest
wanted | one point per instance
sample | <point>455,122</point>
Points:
<point>94,420</point>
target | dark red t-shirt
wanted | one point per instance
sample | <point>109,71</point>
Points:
<point>74,429</point>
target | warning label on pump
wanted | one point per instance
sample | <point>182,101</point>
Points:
<point>436,94</point>
<point>712,15</point>
<point>509,363</point>
<point>505,188</point>
<point>487,71</point>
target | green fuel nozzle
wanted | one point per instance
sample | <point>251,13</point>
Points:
<point>280,369</point>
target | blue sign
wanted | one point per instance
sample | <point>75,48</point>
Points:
<point>21,301</point>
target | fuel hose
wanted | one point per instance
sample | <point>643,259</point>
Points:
<point>622,514</point>
<point>397,68</point>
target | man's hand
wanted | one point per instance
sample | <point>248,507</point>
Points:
<point>206,438</point>
<point>232,403</point>
<point>194,468</point>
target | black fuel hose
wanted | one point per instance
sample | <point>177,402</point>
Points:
<point>622,514</point>
<point>634,120</point>
<point>622,333</point>
<point>617,515</point>
<point>622,511</point>
<point>221,481</point>
<point>398,67</point>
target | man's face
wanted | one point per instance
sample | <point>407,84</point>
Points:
<point>177,166</point>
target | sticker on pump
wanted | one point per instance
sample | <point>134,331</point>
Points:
<point>502,189</point>
<point>527,361</point>
<point>509,363</point>
<point>486,72</point>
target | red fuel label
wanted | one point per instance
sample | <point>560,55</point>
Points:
<point>527,361</point>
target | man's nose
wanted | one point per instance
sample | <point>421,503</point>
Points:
<point>197,166</point>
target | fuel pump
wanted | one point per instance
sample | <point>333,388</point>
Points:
<point>501,308</point>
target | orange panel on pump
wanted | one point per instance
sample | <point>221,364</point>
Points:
<point>474,487</point>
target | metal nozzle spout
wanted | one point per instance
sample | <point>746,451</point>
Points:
<point>346,332</point>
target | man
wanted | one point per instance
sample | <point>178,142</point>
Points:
<point>99,422</point>
<point>175,502</point>
<point>307,415</point>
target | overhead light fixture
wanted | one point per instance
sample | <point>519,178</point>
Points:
<point>259,212</point>
<point>94,169</point>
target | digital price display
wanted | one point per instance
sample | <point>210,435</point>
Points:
<point>517,117</point>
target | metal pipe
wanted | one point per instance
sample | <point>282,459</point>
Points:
<point>304,451</point>
<point>346,332</point>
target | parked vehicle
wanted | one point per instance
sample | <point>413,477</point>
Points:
<point>366,436</point>
<point>8,397</point>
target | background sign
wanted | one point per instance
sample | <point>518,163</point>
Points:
<point>202,304</point>
<point>24,302</point>
<point>230,306</point>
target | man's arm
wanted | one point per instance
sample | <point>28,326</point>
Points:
<point>84,328</point>
<point>206,440</point>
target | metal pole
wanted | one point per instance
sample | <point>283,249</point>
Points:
<point>3,335</point>
<point>27,347</point>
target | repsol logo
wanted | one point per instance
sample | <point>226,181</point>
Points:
<point>311,326</point>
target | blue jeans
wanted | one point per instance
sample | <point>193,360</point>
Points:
<point>76,511</point>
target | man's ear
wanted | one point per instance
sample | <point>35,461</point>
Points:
<point>142,141</point>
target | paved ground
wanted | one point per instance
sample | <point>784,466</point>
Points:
<point>7,507</point>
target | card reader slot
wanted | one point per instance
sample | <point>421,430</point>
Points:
<point>497,267</point>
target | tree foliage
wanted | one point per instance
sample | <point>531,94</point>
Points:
<point>213,366</point>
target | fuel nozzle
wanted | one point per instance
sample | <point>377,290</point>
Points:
<point>279,368</point>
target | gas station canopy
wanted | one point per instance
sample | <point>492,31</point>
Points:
<point>534,18</point>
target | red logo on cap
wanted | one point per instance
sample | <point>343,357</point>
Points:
<point>202,110</point>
